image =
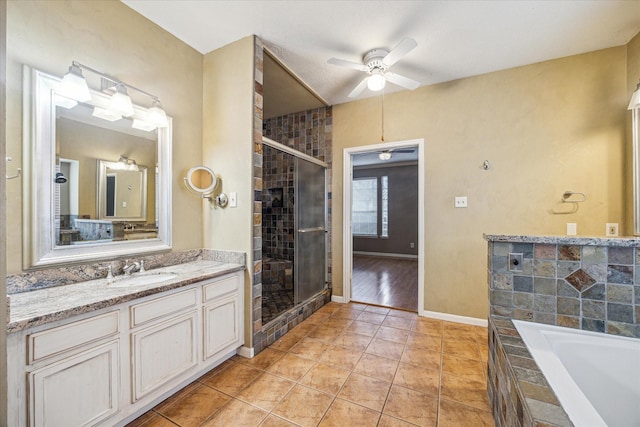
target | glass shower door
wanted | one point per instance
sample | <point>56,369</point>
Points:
<point>310,242</point>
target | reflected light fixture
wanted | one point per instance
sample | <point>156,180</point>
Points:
<point>125,163</point>
<point>143,125</point>
<point>74,86</point>
<point>384,155</point>
<point>635,99</point>
<point>376,81</point>
<point>64,102</point>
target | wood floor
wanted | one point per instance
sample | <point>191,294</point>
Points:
<point>385,281</point>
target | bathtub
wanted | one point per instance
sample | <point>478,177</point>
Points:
<point>595,376</point>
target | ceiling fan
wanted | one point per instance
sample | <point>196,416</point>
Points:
<point>386,154</point>
<point>376,63</point>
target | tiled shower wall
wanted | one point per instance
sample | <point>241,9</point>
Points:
<point>592,287</point>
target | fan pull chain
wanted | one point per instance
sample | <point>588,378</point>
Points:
<point>382,119</point>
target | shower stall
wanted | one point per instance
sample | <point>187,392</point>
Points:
<point>294,217</point>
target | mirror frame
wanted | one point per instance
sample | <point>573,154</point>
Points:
<point>38,157</point>
<point>101,193</point>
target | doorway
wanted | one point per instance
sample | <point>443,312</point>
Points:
<point>383,213</point>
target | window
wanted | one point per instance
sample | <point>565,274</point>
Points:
<point>370,207</point>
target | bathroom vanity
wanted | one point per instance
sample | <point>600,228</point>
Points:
<point>102,352</point>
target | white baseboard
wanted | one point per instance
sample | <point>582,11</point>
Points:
<point>247,352</point>
<point>386,255</point>
<point>337,298</point>
<point>455,318</point>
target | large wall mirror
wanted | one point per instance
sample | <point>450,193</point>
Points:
<point>93,188</point>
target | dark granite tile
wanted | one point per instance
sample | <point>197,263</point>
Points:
<point>568,253</point>
<point>552,414</point>
<point>580,280</point>
<point>523,283</point>
<point>501,249</point>
<point>544,285</point>
<point>527,266</point>
<point>622,274</point>
<point>620,293</point>
<point>566,290</point>
<point>596,292</point>
<point>542,268</point>
<point>522,362</point>
<point>568,306</point>
<point>526,249</point>
<point>501,311</point>
<point>544,251</point>
<point>622,329</point>
<point>636,295</point>
<point>544,303</point>
<point>523,300</point>
<point>620,255</point>
<point>592,325</point>
<point>594,309</point>
<point>620,312</point>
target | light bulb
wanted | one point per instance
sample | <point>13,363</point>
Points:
<point>121,103</point>
<point>157,116</point>
<point>74,86</point>
<point>384,155</point>
<point>376,82</point>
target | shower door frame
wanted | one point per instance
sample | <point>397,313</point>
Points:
<point>278,146</point>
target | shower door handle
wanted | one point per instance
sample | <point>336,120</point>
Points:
<point>309,230</point>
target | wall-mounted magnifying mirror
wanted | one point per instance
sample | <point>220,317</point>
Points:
<point>203,181</point>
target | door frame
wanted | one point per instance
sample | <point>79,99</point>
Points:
<point>347,239</point>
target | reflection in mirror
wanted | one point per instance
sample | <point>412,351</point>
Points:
<point>92,195</point>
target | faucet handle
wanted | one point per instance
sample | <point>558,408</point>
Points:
<point>109,271</point>
<point>142,269</point>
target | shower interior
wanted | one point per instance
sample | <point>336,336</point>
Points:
<point>293,230</point>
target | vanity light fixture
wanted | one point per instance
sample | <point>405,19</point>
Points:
<point>143,125</point>
<point>125,163</point>
<point>75,86</point>
<point>635,99</point>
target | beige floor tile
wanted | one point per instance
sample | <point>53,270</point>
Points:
<point>341,357</point>
<point>387,421</point>
<point>377,367</point>
<point>292,367</point>
<point>326,378</point>
<point>287,341</point>
<point>365,391</point>
<point>402,313</point>
<point>318,318</point>
<point>337,322</point>
<point>370,317</point>
<point>275,421</point>
<point>309,348</point>
<point>264,359</point>
<point>237,413</point>
<point>465,391</point>
<point>431,343</point>
<point>351,340</point>
<point>418,378</point>
<point>392,334</point>
<point>468,349</point>
<point>453,414</point>
<point>303,406</point>
<point>266,392</point>
<point>342,413</point>
<point>195,407</point>
<point>325,334</point>
<point>428,326</point>
<point>421,357</point>
<point>233,379</point>
<point>363,328</point>
<point>412,406</point>
<point>459,331</point>
<point>357,306</point>
<point>384,348</point>
<point>178,395</point>
<point>304,328</point>
<point>377,310</point>
<point>398,322</point>
<point>151,419</point>
<point>467,368</point>
<point>346,313</point>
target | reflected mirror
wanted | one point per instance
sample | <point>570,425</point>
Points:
<point>101,188</point>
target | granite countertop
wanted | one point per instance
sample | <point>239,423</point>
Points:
<point>38,307</point>
<point>565,240</point>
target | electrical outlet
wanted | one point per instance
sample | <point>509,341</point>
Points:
<point>572,229</point>
<point>515,262</point>
<point>612,229</point>
<point>460,202</point>
<point>412,245</point>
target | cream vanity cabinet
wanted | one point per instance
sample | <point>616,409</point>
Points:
<point>108,366</point>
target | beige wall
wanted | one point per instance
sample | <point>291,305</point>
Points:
<point>108,36</point>
<point>545,128</point>
<point>227,148</point>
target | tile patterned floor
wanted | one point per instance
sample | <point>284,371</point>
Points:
<point>354,364</point>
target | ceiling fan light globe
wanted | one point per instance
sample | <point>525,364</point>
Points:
<point>384,155</point>
<point>376,82</point>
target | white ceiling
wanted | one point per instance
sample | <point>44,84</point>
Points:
<point>456,39</point>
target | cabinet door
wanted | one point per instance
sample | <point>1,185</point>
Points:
<point>162,352</point>
<point>76,391</point>
<point>221,325</point>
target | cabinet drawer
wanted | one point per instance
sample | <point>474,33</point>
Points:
<point>53,341</point>
<point>159,307</point>
<point>219,287</point>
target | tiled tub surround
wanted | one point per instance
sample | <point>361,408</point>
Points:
<point>518,391</point>
<point>585,283</point>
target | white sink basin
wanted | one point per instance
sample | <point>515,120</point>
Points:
<point>141,279</point>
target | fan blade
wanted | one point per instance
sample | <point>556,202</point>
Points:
<point>403,150</point>
<point>358,89</point>
<point>404,47</point>
<point>348,64</point>
<point>402,81</point>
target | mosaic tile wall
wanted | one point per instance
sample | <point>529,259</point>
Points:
<point>591,287</point>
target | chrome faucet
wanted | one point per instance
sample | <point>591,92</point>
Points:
<point>130,268</point>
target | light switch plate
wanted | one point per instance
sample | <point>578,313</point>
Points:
<point>460,202</point>
<point>572,229</point>
<point>233,200</point>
